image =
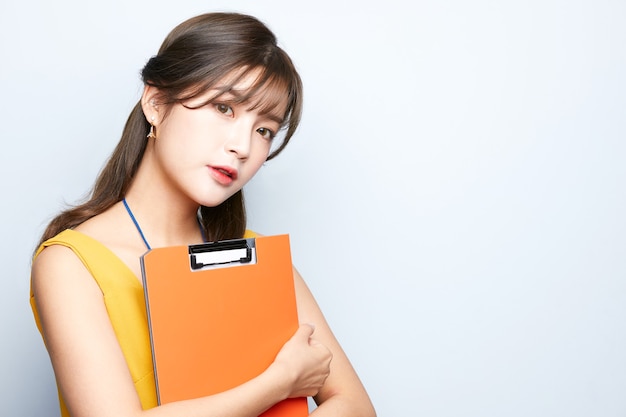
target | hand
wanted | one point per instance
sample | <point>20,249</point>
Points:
<point>305,361</point>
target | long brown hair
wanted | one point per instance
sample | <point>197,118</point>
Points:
<point>193,58</point>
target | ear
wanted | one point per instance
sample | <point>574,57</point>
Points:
<point>150,104</point>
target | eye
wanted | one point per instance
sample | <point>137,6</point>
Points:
<point>266,133</point>
<point>224,109</point>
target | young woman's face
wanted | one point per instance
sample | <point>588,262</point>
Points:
<point>211,151</point>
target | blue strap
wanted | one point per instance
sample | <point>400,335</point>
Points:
<point>132,216</point>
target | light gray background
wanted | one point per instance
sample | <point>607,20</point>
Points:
<point>455,195</point>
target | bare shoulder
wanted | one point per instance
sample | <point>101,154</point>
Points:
<point>57,264</point>
<point>56,270</point>
<point>56,260</point>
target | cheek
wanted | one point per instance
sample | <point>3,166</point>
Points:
<point>184,124</point>
<point>184,138</point>
<point>261,153</point>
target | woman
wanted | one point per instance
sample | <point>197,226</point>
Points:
<point>216,97</point>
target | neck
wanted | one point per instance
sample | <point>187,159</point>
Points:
<point>166,218</point>
<point>163,227</point>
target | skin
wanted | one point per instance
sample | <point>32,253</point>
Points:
<point>86,357</point>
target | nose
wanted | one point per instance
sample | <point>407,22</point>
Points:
<point>239,140</point>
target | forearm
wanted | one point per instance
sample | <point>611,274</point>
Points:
<point>247,400</point>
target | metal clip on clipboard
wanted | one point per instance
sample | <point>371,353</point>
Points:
<point>222,254</point>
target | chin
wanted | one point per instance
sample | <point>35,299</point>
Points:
<point>213,202</point>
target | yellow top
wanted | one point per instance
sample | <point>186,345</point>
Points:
<point>123,297</point>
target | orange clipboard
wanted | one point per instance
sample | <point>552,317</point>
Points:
<point>218,314</point>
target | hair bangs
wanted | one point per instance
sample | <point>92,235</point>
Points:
<point>268,95</point>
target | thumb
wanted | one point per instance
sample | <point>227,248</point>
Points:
<point>305,331</point>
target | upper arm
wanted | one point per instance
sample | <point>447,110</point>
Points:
<point>88,362</point>
<point>343,382</point>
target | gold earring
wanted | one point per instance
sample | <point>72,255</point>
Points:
<point>151,134</point>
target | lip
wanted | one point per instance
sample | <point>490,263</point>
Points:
<point>225,175</point>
